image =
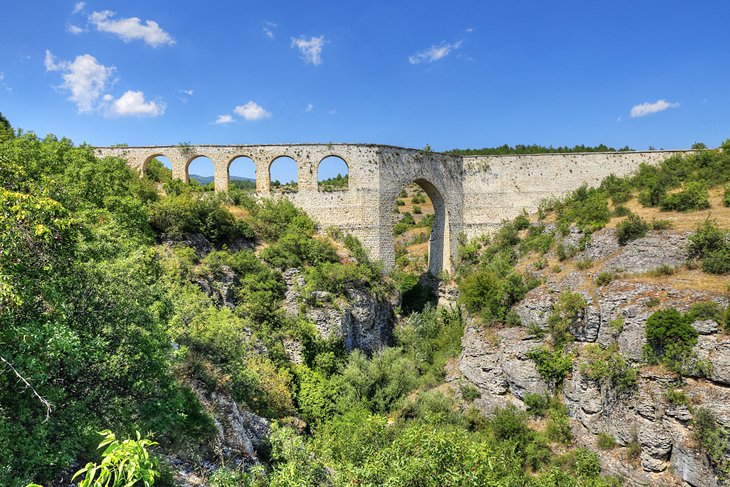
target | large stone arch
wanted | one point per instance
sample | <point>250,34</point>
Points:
<point>327,156</point>
<point>440,177</point>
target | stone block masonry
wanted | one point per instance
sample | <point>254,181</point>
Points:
<point>470,194</point>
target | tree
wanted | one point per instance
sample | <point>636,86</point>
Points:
<point>6,130</point>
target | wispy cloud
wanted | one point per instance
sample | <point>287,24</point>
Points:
<point>133,103</point>
<point>187,92</point>
<point>434,53</point>
<point>78,7</point>
<point>647,108</point>
<point>309,107</point>
<point>84,77</point>
<point>309,49</point>
<point>268,28</point>
<point>3,84</point>
<point>223,119</point>
<point>74,29</point>
<point>129,29</point>
<point>252,111</point>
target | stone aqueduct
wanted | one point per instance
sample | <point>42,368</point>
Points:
<point>470,194</point>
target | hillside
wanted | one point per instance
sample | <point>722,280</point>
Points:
<point>616,316</point>
<point>256,350</point>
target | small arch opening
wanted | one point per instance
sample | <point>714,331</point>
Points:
<point>158,168</point>
<point>284,175</point>
<point>242,173</point>
<point>201,171</point>
<point>333,174</point>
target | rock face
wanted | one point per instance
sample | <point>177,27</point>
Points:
<point>361,319</point>
<point>221,287</point>
<point>240,437</point>
<point>494,360</point>
<point>647,253</point>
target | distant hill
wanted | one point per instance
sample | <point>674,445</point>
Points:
<point>203,180</point>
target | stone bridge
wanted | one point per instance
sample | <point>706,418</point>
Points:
<point>471,194</point>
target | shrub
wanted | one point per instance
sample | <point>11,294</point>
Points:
<point>711,245</point>
<point>669,339</point>
<point>621,210</point>
<point>726,197</point>
<point>694,196</point>
<point>537,404</point>
<point>553,366</point>
<point>469,392</point>
<point>587,463</point>
<point>717,262</point>
<point>676,397</point>
<point>584,264</point>
<point>630,229</point>
<point>660,225</point>
<point>416,210</point>
<point>565,252</point>
<point>617,325</point>
<point>619,189</point>
<point>705,310</point>
<point>605,441</point>
<point>400,202</point>
<point>522,221</point>
<point>607,368</point>
<point>566,315</point>
<point>185,214</point>
<point>487,292</point>
<point>558,425</point>
<point>663,270</point>
<point>712,438</point>
<point>604,278</point>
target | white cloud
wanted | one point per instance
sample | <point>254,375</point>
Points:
<point>223,119</point>
<point>252,111</point>
<point>269,29</point>
<point>131,28</point>
<point>3,84</point>
<point>434,53</point>
<point>132,103</point>
<point>309,107</point>
<point>85,78</point>
<point>310,49</point>
<point>74,29</point>
<point>187,92</point>
<point>647,108</point>
<point>78,7</point>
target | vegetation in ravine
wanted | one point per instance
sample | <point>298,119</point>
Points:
<point>104,326</point>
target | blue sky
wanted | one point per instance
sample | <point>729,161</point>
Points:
<point>410,73</point>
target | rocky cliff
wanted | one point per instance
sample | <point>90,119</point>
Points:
<point>654,417</point>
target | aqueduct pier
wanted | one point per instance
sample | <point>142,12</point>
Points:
<point>470,194</point>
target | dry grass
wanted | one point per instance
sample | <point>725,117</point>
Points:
<point>686,280</point>
<point>683,221</point>
<point>237,211</point>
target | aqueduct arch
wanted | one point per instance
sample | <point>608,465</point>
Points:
<point>473,194</point>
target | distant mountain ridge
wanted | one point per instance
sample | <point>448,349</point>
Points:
<point>209,179</point>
